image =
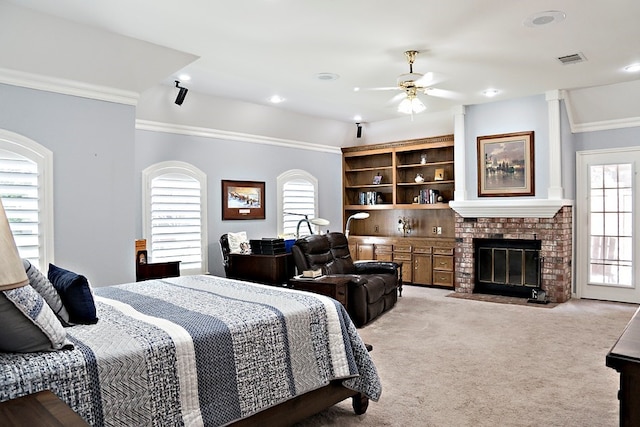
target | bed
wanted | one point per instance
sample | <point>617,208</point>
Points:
<point>202,350</point>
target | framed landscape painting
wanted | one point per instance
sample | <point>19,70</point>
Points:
<point>242,200</point>
<point>506,165</point>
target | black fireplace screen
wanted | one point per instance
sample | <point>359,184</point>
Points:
<point>516,267</point>
<point>503,264</point>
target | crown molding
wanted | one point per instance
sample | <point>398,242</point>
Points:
<point>606,125</point>
<point>67,87</point>
<point>528,208</point>
<point>232,136</point>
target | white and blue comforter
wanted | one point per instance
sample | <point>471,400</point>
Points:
<point>195,350</point>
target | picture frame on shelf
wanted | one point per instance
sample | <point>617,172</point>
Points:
<point>243,200</point>
<point>377,179</point>
<point>438,175</point>
<point>506,165</point>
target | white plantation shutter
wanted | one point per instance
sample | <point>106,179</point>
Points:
<point>19,192</point>
<point>176,218</point>
<point>298,194</point>
<point>23,167</point>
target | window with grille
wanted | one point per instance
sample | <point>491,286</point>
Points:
<point>25,189</point>
<point>298,198</point>
<point>611,224</point>
<point>175,215</point>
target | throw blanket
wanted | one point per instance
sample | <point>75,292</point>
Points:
<point>195,350</point>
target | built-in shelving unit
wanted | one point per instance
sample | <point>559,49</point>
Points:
<point>381,179</point>
<point>398,164</point>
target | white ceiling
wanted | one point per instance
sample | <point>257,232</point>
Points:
<point>252,49</point>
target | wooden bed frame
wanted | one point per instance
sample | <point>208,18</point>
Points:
<point>306,405</point>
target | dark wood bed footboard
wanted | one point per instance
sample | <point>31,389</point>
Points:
<point>306,405</point>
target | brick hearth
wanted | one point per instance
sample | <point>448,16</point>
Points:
<point>555,234</point>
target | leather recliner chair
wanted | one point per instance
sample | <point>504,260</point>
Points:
<point>373,288</point>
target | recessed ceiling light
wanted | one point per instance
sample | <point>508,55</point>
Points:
<point>633,68</point>
<point>489,93</point>
<point>547,17</point>
<point>327,76</point>
<point>184,77</point>
<point>276,99</point>
<point>356,89</point>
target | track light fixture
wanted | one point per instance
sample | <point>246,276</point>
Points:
<point>181,94</point>
<point>359,132</point>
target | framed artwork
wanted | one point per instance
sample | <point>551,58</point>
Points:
<point>506,165</point>
<point>242,200</point>
<point>377,179</point>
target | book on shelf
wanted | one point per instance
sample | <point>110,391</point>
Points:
<point>428,196</point>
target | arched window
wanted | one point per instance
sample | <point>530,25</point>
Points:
<point>297,198</point>
<point>26,187</point>
<point>174,215</point>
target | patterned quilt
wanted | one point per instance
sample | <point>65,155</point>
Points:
<point>195,350</point>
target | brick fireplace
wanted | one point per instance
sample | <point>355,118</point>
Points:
<point>554,233</point>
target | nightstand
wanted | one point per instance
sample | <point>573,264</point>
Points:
<point>331,286</point>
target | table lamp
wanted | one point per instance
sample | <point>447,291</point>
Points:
<point>12,274</point>
<point>359,215</point>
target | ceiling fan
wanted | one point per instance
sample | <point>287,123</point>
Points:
<point>411,84</point>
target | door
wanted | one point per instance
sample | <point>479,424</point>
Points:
<point>607,241</point>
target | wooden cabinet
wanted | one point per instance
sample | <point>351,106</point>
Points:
<point>365,252</point>
<point>380,179</point>
<point>443,267</point>
<point>395,165</point>
<point>425,261</point>
<point>422,266</point>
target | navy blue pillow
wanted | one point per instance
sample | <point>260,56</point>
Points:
<point>75,294</point>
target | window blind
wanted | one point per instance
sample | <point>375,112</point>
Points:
<point>298,196</point>
<point>176,220</point>
<point>20,198</point>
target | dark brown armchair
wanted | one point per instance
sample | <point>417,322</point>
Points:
<point>373,288</point>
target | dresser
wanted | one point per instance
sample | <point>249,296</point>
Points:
<point>624,357</point>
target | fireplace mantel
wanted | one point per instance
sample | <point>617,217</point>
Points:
<point>509,208</point>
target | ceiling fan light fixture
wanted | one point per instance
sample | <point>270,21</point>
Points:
<point>411,105</point>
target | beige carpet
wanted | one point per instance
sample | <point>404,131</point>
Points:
<point>458,362</point>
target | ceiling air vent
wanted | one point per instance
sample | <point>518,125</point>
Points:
<point>572,59</point>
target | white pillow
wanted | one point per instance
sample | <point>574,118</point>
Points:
<point>238,242</point>
<point>43,286</point>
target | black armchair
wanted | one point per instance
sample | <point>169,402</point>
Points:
<point>373,286</point>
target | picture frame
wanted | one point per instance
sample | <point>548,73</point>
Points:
<point>377,179</point>
<point>243,200</point>
<point>506,165</point>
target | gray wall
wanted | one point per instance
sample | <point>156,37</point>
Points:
<point>93,158</point>
<point>524,114</point>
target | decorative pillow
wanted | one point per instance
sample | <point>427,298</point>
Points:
<point>43,286</point>
<point>28,323</point>
<point>75,293</point>
<point>238,242</point>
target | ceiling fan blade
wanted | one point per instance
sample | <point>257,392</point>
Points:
<point>426,80</point>
<point>381,88</point>
<point>396,99</point>
<point>441,93</point>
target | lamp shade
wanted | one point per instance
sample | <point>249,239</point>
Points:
<point>12,274</point>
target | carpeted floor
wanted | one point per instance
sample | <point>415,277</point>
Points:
<point>459,362</point>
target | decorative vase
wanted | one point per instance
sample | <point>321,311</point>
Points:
<point>419,178</point>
